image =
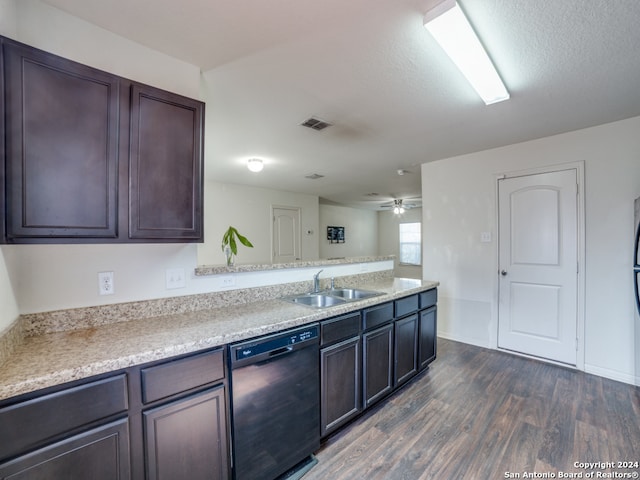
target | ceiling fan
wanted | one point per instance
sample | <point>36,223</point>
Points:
<point>399,206</point>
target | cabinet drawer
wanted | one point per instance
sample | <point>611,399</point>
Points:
<point>339,328</point>
<point>31,423</point>
<point>407,305</point>
<point>428,298</point>
<point>181,375</point>
<point>378,315</point>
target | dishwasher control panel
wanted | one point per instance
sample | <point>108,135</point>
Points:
<point>274,344</point>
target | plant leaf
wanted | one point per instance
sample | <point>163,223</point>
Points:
<point>244,240</point>
<point>233,245</point>
<point>225,238</point>
<point>229,238</point>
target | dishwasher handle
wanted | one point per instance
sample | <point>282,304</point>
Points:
<point>280,351</point>
<point>271,356</point>
<point>272,346</point>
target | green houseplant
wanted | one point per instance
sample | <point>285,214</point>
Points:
<point>230,241</point>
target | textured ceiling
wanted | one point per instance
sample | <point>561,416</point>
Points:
<point>370,69</point>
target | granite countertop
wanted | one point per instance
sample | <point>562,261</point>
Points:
<point>54,358</point>
<point>242,267</point>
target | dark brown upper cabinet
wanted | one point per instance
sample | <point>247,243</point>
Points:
<point>90,157</point>
<point>165,168</point>
<point>61,147</point>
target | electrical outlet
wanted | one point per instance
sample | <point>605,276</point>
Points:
<point>227,281</point>
<point>175,278</point>
<point>105,283</point>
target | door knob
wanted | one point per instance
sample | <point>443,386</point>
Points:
<point>503,273</point>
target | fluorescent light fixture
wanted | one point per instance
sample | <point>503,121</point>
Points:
<point>255,165</point>
<point>448,25</point>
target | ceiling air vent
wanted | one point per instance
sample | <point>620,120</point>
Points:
<point>313,176</point>
<point>315,123</point>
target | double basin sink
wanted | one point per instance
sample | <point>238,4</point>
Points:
<point>329,298</point>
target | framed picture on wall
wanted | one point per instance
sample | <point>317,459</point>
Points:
<point>335,234</point>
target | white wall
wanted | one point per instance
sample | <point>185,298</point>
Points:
<point>361,231</point>
<point>53,277</point>
<point>8,304</point>
<point>249,210</point>
<point>459,202</point>
<point>57,277</point>
<point>8,18</point>
<point>389,241</point>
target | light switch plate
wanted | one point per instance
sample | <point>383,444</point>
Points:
<point>485,237</point>
<point>227,281</point>
<point>175,278</point>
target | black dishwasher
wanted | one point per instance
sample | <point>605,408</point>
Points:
<point>275,399</point>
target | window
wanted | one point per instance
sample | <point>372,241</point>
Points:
<point>410,243</point>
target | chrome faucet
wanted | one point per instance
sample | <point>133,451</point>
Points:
<point>316,282</point>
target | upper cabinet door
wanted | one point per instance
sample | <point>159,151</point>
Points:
<point>166,155</point>
<point>61,147</point>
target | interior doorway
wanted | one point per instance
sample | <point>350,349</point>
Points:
<point>286,234</point>
<point>538,271</point>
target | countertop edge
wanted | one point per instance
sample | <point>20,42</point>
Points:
<point>204,270</point>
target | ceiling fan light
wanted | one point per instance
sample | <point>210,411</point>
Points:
<point>451,29</point>
<point>398,208</point>
<point>255,165</point>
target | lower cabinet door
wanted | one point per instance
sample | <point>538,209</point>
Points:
<point>406,348</point>
<point>101,453</point>
<point>340,378</point>
<point>188,438</point>
<point>428,330</point>
<point>377,363</point>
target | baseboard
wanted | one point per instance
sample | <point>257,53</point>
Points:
<point>592,369</point>
<point>470,341</point>
<point>613,374</point>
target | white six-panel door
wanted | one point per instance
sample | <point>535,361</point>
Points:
<point>538,265</point>
<point>286,234</point>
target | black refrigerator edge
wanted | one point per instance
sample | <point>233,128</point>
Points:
<point>636,281</point>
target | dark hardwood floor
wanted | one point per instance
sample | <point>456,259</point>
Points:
<point>483,414</point>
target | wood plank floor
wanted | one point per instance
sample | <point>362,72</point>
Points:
<point>483,414</point>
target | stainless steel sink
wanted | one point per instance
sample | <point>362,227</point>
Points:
<point>315,300</point>
<point>329,298</point>
<point>352,293</point>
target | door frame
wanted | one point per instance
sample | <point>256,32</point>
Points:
<point>580,307</point>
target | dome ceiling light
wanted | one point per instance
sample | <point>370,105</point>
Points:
<point>255,165</point>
